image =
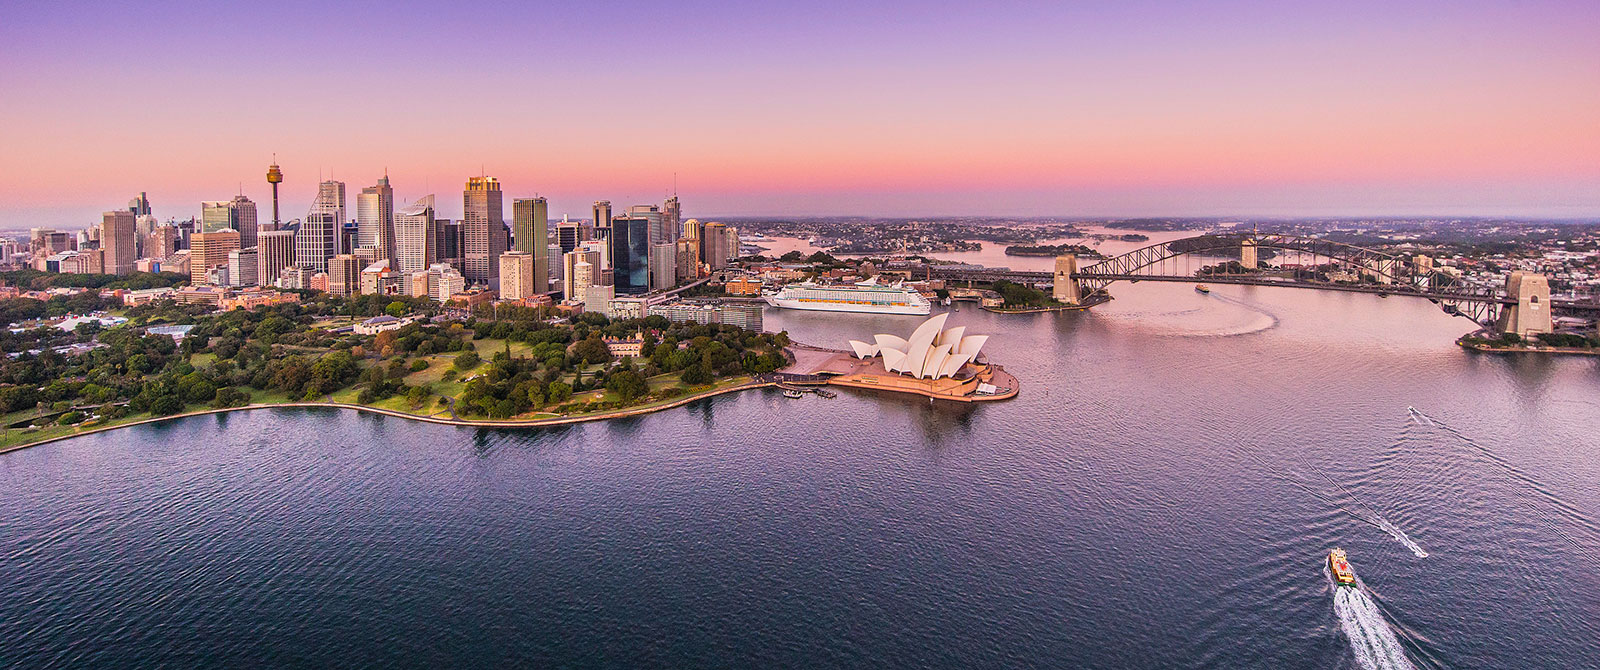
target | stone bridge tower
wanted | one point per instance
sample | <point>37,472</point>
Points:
<point>1066,288</point>
<point>1530,315</point>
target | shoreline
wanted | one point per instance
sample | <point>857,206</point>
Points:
<point>1558,351</point>
<point>466,423</point>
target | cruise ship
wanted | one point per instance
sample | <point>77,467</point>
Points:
<point>868,296</point>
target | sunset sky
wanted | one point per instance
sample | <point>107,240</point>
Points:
<point>1117,108</point>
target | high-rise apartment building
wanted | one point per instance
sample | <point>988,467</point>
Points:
<point>415,236</point>
<point>663,266</point>
<point>630,254</point>
<point>717,245</point>
<point>119,241</point>
<point>517,275</point>
<point>344,274</point>
<point>483,234</point>
<point>243,267</point>
<point>209,250</point>
<point>375,218</point>
<point>274,251</point>
<point>162,242</point>
<point>572,283</point>
<point>530,223</point>
<point>688,263</point>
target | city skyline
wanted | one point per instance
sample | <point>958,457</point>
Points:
<point>1100,109</point>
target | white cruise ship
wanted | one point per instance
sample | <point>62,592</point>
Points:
<point>868,296</point>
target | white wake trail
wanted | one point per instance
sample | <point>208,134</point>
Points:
<point>1371,638</point>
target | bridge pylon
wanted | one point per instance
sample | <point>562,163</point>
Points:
<point>1530,314</point>
<point>1066,289</point>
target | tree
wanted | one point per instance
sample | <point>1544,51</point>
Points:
<point>558,392</point>
<point>628,385</point>
<point>695,375</point>
<point>396,309</point>
<point>592,350</point>
<point>467,360</point>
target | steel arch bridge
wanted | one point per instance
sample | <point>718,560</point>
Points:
<point>1391,273</point>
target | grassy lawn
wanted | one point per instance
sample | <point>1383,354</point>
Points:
<point>10,438</point>
<point>201,360</point>
<point>488,348</point>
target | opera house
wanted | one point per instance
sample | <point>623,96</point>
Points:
<point>933,361</point>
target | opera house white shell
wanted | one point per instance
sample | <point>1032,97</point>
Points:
<point>930,353</point>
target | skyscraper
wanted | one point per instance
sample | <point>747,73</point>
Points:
<point>483,236</point>
<point>344,274</point>
<point>630,254</point>
<point>517,275</point>
<point>716,245</point>
<point>162,242</point>
<point>274,252</point>
<point>574,280</point>
<point>237,214</point>
<point>602,213</point>
<point>671,218</point>
<point>663,266</point>
<point>119,241</point>
<point>243,267</point>
<point>210,250</point>
<point>530,223</point>
<point>330,200</point>
<point>139,206</point>
<point>275,177</point>
<point>415,236</point>
<point>568,235</point>
<point>375,218</point>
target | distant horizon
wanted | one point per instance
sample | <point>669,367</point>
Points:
<point>1108,109</point>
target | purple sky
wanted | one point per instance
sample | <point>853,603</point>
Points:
<point>893,108</point>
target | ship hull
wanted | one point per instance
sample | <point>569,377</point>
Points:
<point>907,310</point>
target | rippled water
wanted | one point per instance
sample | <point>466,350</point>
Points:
<point>1162,494</point>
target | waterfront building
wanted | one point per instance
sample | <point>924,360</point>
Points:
<point>630,254</point>
<point>243,267</point>
<point>344,274</point>
<point>517,275</point>
<point>743,315</point>
<point>209,250</point>
<point>415,236</point>
<point>483,235</point>
<point>375,218</point>
<point>119,241</point>
<point>930,353</point>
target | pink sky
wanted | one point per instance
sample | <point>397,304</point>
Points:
<point>1092,109</point>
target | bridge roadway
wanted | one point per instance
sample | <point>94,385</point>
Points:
<point>1446,294</point>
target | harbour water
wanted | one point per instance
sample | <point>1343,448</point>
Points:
<point>1162,494</point>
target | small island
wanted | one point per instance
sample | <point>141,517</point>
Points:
<point>1051,250</point>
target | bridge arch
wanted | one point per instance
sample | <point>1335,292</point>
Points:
<point>1396,269</point>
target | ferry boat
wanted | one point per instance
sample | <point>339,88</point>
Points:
<point>1341,568</point>
<point>1202,288</point>
<point>791,393</point>
<point>868,296</point>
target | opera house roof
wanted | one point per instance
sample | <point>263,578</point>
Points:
<point>930,353</point>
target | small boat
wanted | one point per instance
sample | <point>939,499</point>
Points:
<point>1383,295</point>
<point>1341,568</point>
<point>792,393</point>
<point>1202,288</point>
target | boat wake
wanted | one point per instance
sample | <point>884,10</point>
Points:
<point>1371,639</point>
<point>1372,516</point>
